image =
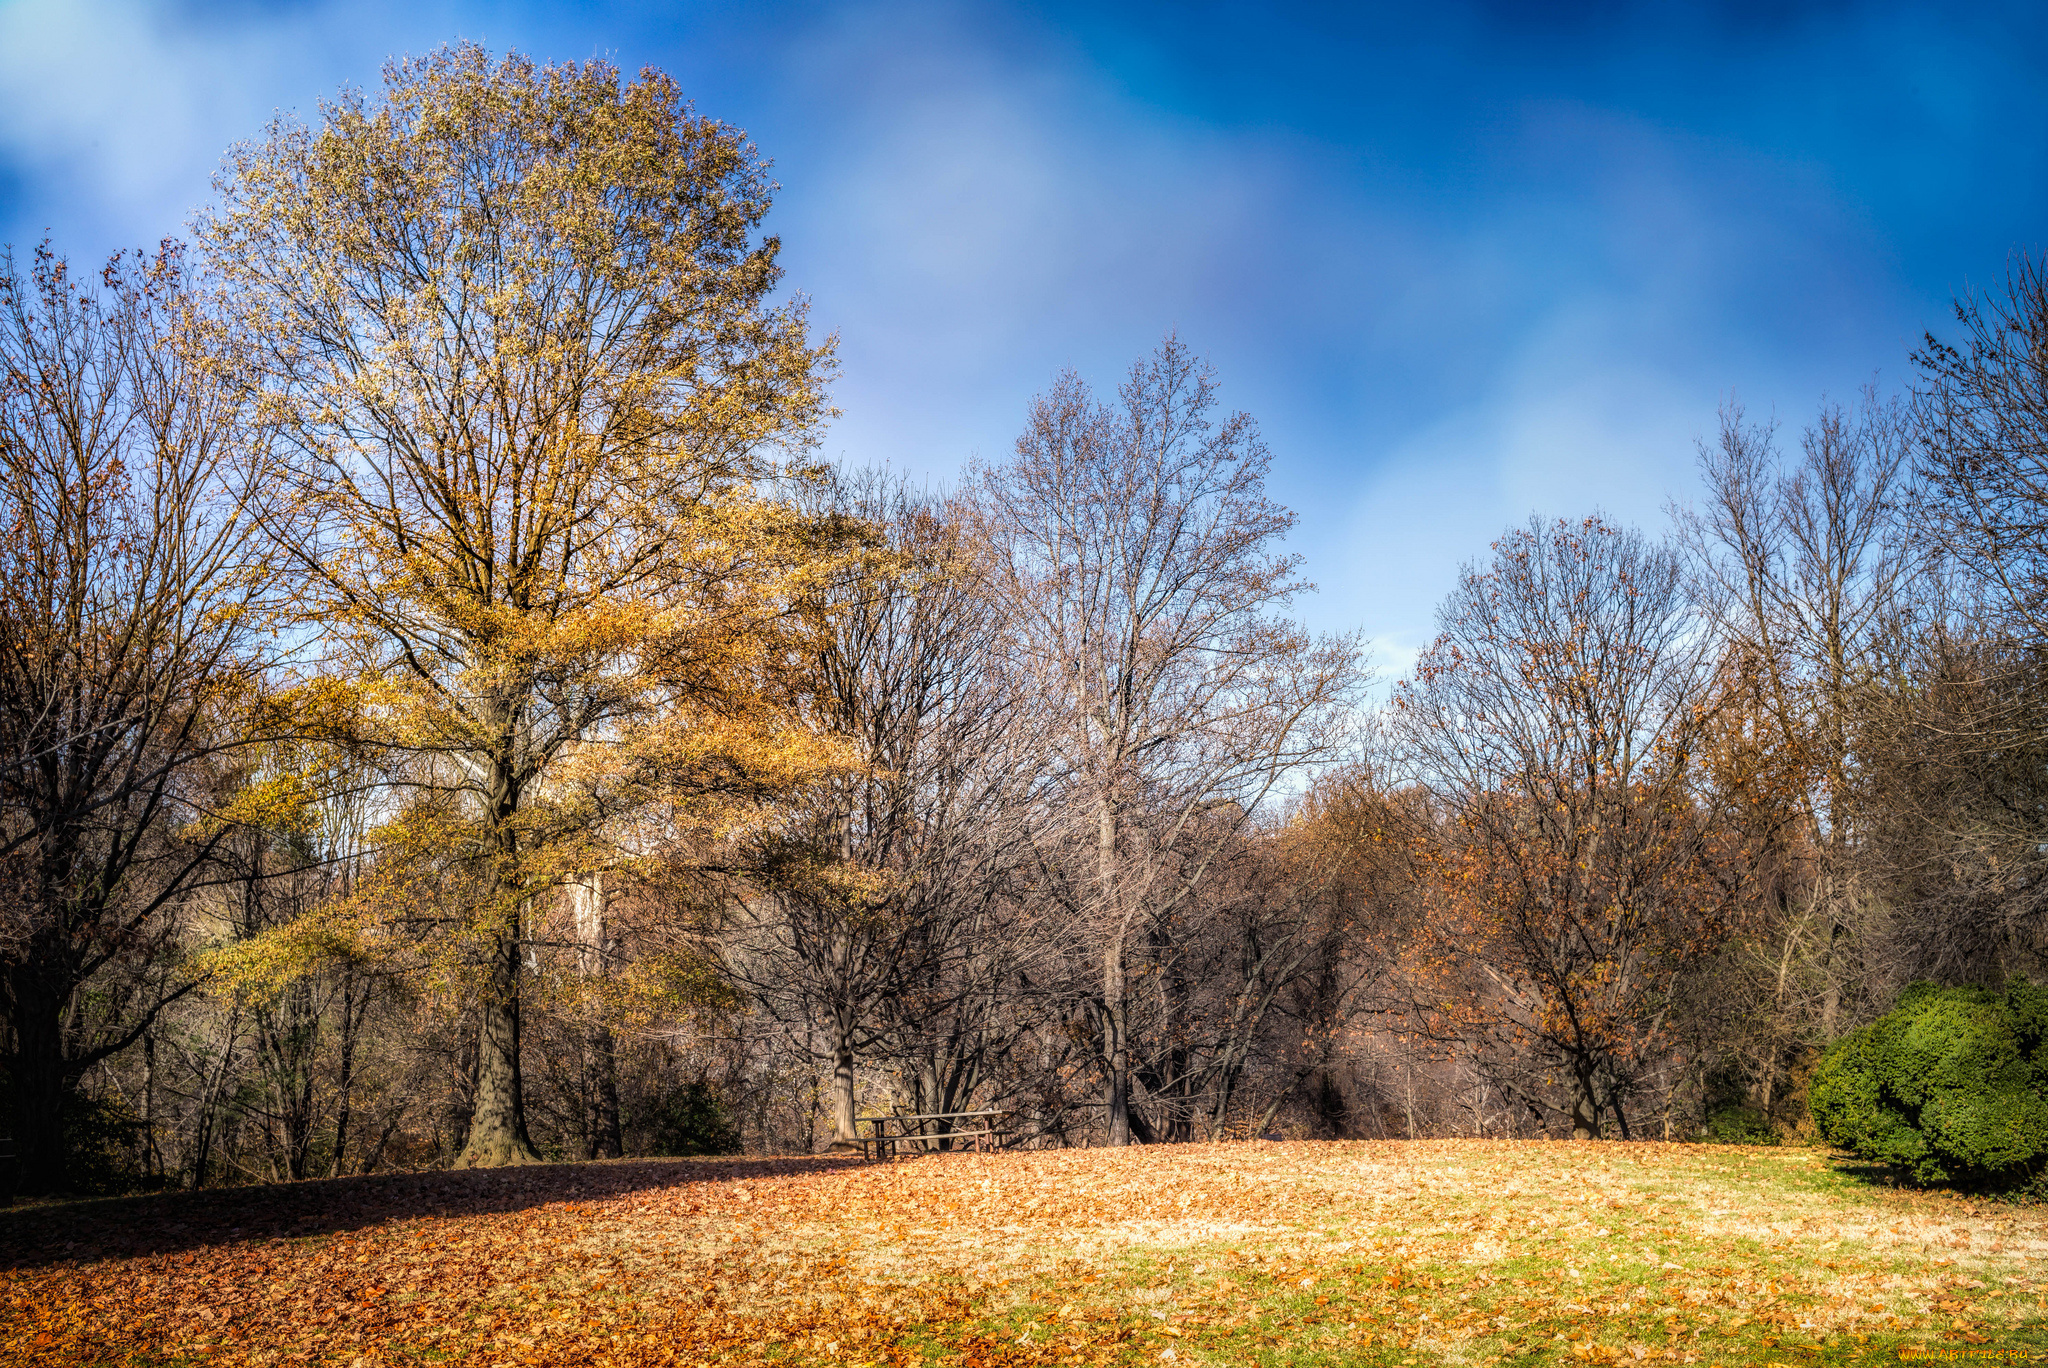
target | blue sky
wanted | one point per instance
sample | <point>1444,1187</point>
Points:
<point>1463,262</point>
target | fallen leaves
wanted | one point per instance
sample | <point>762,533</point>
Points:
<point>1452,1251</point>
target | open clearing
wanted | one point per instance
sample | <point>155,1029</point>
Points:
<point>1417,1253</point>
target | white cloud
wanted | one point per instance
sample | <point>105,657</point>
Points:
<point>973,220</point>
<point>116,112</point>
<point>1574,422</point>
<point>973,202</point>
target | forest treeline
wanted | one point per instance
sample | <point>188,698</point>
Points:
<point>449,714</point>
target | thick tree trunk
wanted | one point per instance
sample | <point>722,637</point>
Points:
<point>41,1089</point>
<point>497,1123</point>
<point>1116,1047</point>
<point>1585,1109</point>
<point>497,1126</point>
<point>934,1100</point>
<point>844,1129</point>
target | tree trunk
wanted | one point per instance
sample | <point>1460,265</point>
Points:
<point>936,1100</point>
<point>606,1139</point>
<point>497,1125</point>
<point>1226,1083</point>
<point>1614,1104</point>
<point>1273,1110</point>
<point>152,1155</point>
<point>41,1090</point>
<point>345,1086</point>
<point>497,1122</point>
<point>1173,993</point>
<point>845,1130</point>
<point>299,1123</point>
<point>1116,1049</point>
<point>1831,996</point>
<point>1585,1109</point>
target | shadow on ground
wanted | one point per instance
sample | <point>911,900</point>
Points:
<point>1874,1175</point>
<point>171,1222</point>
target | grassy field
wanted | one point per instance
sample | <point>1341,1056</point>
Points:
<point>1383,1253</point>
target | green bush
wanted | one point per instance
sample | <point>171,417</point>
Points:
<point>1739,1125</point>
<point>690,1120</point>
<point>1946,1087</point>
<point>103,1143</point>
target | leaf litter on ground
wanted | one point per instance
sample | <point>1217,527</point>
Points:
<point>1384,1252</point>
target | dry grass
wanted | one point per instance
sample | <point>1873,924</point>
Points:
<point>1455,1252</point>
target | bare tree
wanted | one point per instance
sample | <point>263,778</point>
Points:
<point>1135,559</point>
<point>129,620</point>
<point>883,883</point>
<point>1251,983</point>
<point>1982,409</point>
<point>1554,724</point>
<point>1955,740</point>
<point>1953,751</point>
<point>1804,570</point>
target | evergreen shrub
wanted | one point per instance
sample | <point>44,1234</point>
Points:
<point>691,1120</point>
<point>1946,1088</point>
<point>1739,1125</point>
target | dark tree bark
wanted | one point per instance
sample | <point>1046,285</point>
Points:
<point>126,623</point>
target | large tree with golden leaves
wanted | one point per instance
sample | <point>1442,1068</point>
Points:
<point>517,330</point>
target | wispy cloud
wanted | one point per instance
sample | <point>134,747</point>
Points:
<point>1462,264</point>
<point>116,111</point>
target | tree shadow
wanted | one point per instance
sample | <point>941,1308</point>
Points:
<point>1869,1173</point>
<point>1899,1180</point>
<point>174,1222</point>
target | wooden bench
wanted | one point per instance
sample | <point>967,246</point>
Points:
<point>879,1143</point>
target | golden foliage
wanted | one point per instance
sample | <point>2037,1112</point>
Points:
<point>514,329</point>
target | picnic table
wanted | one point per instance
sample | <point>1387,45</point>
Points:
<point>910,1131</point>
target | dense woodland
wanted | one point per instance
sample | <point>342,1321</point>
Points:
<point>450,715</point>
